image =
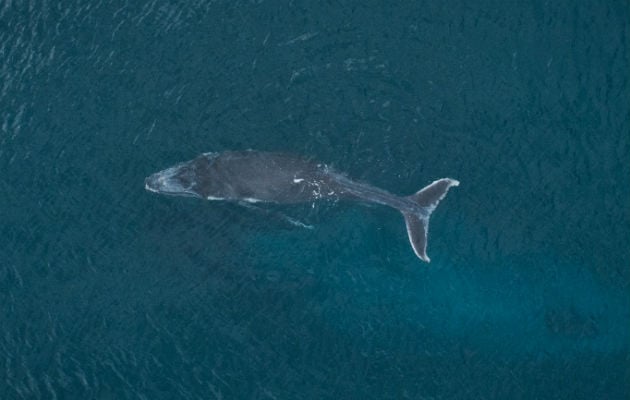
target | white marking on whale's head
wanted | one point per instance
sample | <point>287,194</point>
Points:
<point>214,198</point>
<point>251,200</point>
<point>298,180</point>
<point>177,181</point>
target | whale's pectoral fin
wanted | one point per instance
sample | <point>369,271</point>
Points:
<point>285,219</point>
<point>418,224</point>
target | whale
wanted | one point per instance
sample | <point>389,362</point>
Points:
<point>267,177</point>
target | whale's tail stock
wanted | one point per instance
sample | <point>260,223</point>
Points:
<point>417,224</point>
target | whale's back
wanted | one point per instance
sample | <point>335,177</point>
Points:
<point>265,177</point>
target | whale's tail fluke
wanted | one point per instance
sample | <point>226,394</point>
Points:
<point>418,225</point>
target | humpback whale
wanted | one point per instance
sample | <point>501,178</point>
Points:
<point>256,176</point>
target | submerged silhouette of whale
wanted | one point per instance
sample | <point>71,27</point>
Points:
<point>256,176</point>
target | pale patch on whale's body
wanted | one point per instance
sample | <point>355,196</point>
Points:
<point>259,177</point>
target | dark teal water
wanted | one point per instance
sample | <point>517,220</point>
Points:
<point>110,292</point>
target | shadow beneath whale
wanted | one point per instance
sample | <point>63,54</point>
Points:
<point>515,308</point>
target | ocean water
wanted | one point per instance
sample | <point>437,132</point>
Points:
<point>108,291</point>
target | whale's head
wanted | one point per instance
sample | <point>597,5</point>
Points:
<point>184,179</point>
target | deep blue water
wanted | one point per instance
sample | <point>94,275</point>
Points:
<point>110,292</point>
